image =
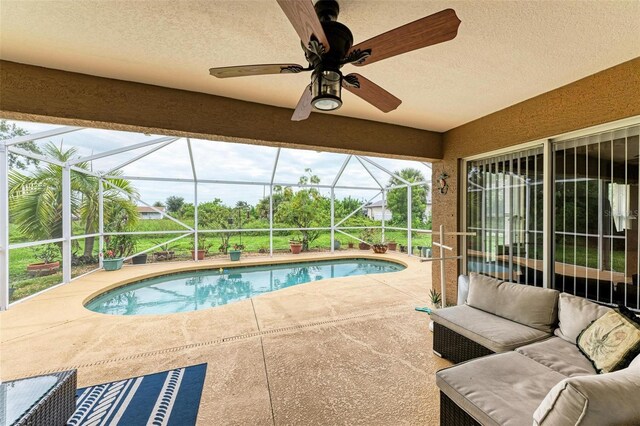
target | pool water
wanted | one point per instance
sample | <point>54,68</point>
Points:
<point>196,290</point>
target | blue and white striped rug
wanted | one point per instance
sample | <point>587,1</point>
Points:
<point>167,398</point>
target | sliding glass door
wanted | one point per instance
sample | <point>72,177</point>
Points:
<point>595,201</point>
<point>504,209</point>
<point>594,243</point>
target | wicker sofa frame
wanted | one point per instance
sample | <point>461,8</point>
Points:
<point>452,415</point>
<point>57,406</point>
<point>455,347</point>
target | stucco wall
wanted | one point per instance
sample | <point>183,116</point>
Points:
<point>609,95</point>
<point>48,95</point>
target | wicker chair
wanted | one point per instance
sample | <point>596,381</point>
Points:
<point>56,406</point>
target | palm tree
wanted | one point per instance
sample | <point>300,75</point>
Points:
<point>35,198</point>
<point>397,198</point>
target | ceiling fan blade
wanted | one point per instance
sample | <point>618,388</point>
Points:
<point>303,109</point>
<point>245,70</point>
<point>304,19</point>
<point>370,92</point>
<point>430,30</point>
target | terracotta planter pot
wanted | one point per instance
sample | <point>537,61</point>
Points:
<point>392,245</point>
<point>296,248</point>
<point>350,245</point>
<point>42,269</point>
<point>364,246</point>
<point>379,248</point>
<point>201,254</point>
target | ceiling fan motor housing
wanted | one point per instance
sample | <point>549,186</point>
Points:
<point>326,80</point>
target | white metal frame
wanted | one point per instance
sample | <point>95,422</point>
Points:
<point>10,145</point>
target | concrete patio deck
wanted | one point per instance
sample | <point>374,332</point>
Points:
<point>344,351</point>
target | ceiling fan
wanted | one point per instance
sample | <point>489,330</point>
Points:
<point>328,46</point>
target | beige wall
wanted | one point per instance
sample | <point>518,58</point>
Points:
<point>47,95</point>
<point>607,96</point>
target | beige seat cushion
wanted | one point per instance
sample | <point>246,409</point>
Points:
<point>491,331</point>
<point>575,314</point>
<point>595,400</point>
<point>559,355</point>
<point>532,306</point>
<point>502,389</point>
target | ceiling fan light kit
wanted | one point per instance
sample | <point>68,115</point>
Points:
<point>328,46</point>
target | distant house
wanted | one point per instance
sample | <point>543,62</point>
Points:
<point>145,212</point>
<point>374,211</point>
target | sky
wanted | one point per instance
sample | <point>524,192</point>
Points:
<point>216,160</point>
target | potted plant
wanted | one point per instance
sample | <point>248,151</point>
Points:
<point>336,245</point>
<point>110,262</point>
<point>165,253</point>
<point>234,254</point>
<point>139,259</point>
<point>47,254</point>
<point>365,235</point>
<point>202,249</point>
<point>350,243</point>
<point>436,301</point>
<point>295,246</point>
<point>392,245</point>
<point>379,247</point>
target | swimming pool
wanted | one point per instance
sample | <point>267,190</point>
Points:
<point>196,290</point>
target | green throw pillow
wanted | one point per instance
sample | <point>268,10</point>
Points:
<point>612,341</point>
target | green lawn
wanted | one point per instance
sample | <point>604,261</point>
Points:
<point>253,242</point>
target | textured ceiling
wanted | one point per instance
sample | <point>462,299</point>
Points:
<point>505,52</point>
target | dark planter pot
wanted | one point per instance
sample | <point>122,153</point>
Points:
<point>43,269</point>
<point>392,245</point>
<point>140,259</point>
<point>234,255</point>
<point>364,246</point>
<point>336,245</point>
<point>350,245</point>
<point>379,248</point>
<point>296,248</point>
<point>11,291</point>
<point>201,254</point>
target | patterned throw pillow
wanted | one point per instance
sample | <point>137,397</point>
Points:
<point>612,341</point>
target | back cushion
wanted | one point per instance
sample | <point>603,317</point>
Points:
<point>528,305</point>
<point>575,314</point>
<point>593,400</point>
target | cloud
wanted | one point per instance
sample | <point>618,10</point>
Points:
<point>220,161</point>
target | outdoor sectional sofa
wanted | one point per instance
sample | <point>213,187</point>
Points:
<point>519,362</point>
